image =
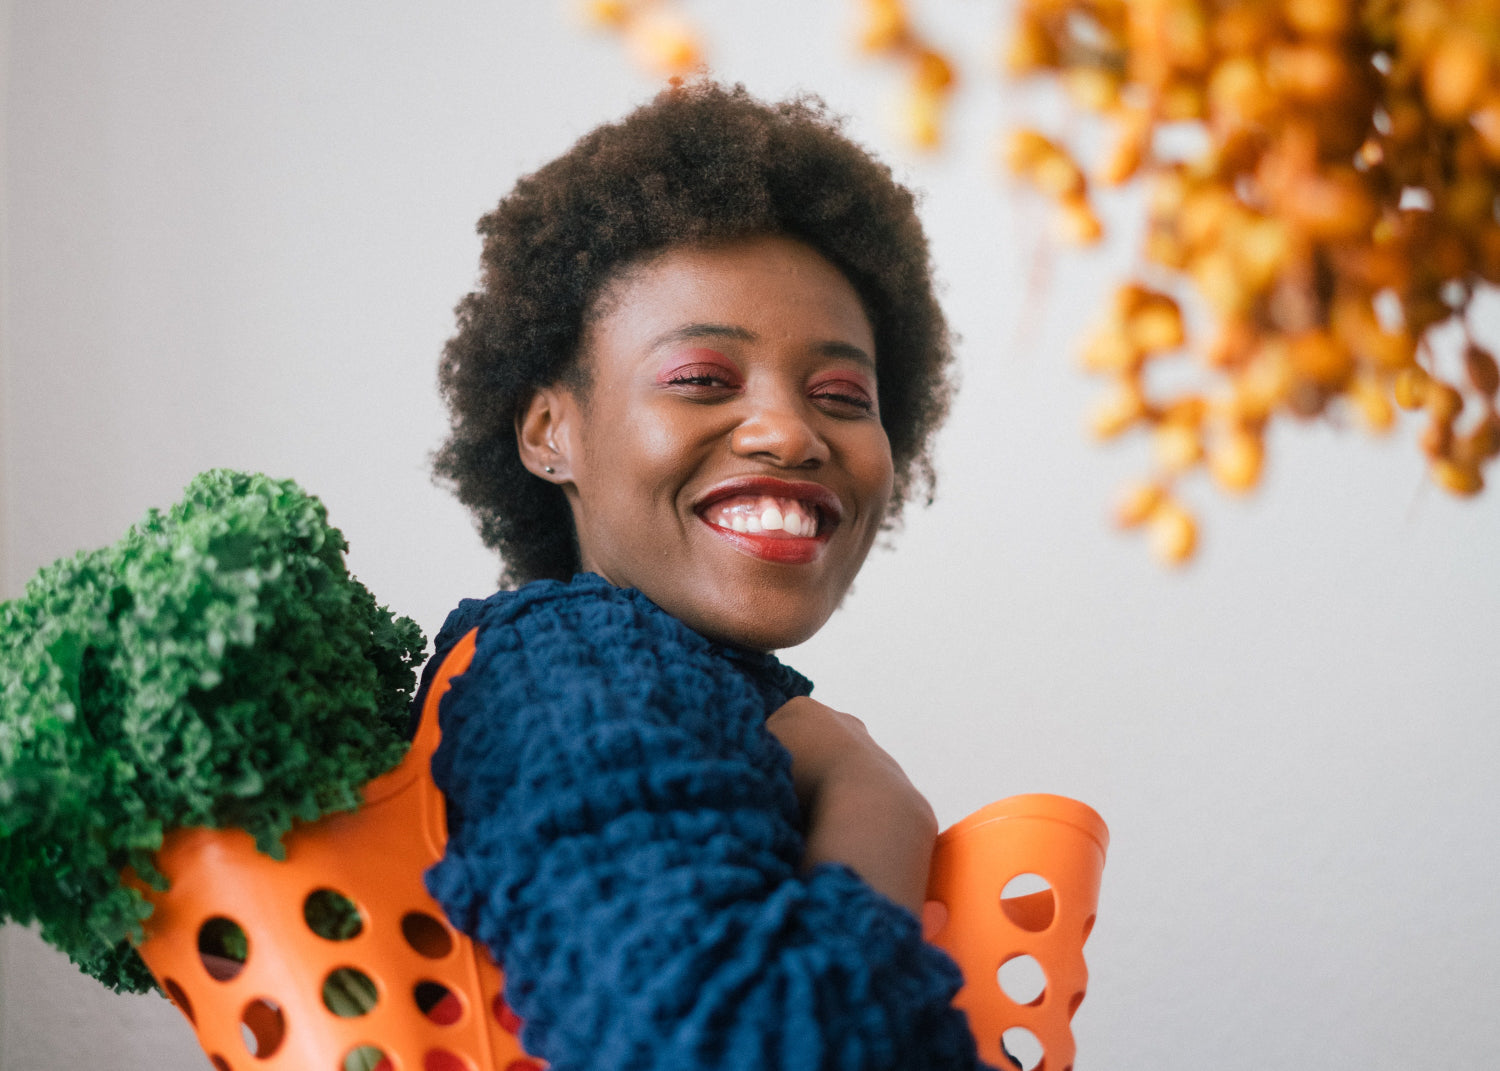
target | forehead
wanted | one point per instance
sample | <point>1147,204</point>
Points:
<point>765,288</point>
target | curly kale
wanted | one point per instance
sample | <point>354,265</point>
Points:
<point>216,667</point>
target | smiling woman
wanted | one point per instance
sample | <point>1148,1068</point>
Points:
<point>700,377</point>
<point>727,440</point>
<point>699,167</point>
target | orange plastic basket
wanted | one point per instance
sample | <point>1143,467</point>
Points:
<point>244,947</point>
<point>1018,885</point>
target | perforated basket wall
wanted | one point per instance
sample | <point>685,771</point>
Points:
<point>337,959</point>
<point>387,985</point>
<point>1018,887</point>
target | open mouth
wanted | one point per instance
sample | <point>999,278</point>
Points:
<point>783,521</point>
<point>768,515</point>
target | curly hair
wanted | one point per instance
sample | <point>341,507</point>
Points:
<point>699,164</point>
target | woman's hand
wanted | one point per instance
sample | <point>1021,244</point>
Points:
<point>859,807</point>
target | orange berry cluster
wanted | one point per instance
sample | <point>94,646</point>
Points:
<point>1321,178</point>
<point>657,36</point>
<point>887,31</point>
<point>661,40</point>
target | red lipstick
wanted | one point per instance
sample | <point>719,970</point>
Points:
<point>781,549</point>
<point>796,550</point>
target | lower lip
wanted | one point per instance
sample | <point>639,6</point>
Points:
<point>784,550</point>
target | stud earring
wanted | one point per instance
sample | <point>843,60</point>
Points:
<point>548,469</point>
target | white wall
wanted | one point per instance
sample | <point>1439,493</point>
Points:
<point>234,234</point>
<point>5,524</point>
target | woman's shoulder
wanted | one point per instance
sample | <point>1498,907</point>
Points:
<point>588,607</point>
<point>590,619</point>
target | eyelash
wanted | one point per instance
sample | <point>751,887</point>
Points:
<point>859,401</point>
<point>845,392</point>
<point>696,378</point>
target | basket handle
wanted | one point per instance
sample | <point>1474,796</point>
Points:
<point>416,765</point>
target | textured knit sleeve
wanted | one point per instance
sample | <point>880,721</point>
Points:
<point>624,839</point>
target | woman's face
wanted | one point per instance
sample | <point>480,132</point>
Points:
<point>728,458</point>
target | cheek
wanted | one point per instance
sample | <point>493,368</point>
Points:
<point>870,464</point>
<point>659,453</point>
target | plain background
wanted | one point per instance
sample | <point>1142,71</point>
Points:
<point>234,234</point>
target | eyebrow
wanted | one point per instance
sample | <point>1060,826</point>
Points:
<point>692,332</point>
<point>696,331</point>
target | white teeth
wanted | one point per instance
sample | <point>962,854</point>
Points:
<point>764,513</point>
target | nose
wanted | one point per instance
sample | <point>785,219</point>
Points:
<point>779,429</point>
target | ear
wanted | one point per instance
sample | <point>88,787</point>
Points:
<point>546,434</point>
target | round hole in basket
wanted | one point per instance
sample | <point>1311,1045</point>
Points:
<point>223,948</point>
<point>1023,1047</point>
<point>366,1058</point>
<point>1028,902</point>
<point>332,915</point>
<point>263,1027</point>
<point>349,992</point>
<point>180,999</point>
<point>443,1060</point>
<point>509,1021</point>
<point>426,935</point>
<point>220,1064</point>
<point>1022,979</point>
<point>438,1003</point>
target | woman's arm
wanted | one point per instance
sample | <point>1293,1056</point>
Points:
<point>860,808</point>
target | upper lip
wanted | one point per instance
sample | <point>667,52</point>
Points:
<point>814,494</point>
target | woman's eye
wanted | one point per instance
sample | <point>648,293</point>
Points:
<point>700,375</point>
<point>845,396</point>
<point>699,379</point>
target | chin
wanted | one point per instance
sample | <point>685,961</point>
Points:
<point>752,618</point>
<point>770,640</point>
<point>756,622</point>
<point>741,603</point>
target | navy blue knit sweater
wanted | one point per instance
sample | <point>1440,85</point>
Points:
<point>624,837</point>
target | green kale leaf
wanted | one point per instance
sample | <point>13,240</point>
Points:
<point>219,667</point>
